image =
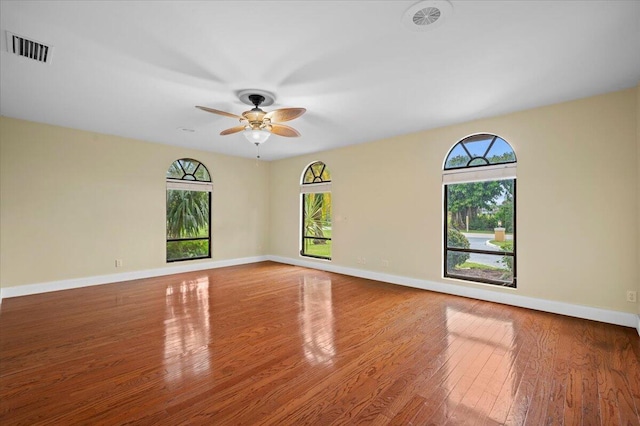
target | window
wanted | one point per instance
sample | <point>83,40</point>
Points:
<point>479,180</point>
<point>316,211</point>
<point>188,211</point>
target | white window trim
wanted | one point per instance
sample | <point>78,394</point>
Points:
<point>315,188</point>
<point>184,185</point>
<point>480,173</point>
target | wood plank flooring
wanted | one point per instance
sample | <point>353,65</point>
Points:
<point>275,344</point>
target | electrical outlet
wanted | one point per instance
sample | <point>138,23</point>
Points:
<point>632,296</point>
<point>118,263</point>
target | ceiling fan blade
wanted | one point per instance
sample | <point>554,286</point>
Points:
<point>285,114</point>
<point>232,130</point>
<point>215,111</point>
<point>282,130</point>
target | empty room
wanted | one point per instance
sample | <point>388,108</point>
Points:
<point>319,212</point>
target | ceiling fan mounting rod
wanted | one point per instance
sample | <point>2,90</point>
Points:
<point>256,99</point>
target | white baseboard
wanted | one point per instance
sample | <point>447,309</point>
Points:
<point>579,311</point>
<point>176,268</point>
<point>563,308</point>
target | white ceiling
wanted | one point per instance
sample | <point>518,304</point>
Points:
<point>137,69</point>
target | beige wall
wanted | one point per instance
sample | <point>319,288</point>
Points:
<point>72,202</point>
<point>577,201</point>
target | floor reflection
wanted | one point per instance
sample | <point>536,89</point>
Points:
<point>316,321</point>
<point>186,327</point>
<point>481,351</point>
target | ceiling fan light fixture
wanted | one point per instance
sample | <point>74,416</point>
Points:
<point>256,136</point>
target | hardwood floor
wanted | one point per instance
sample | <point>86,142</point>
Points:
<point>275,344</point>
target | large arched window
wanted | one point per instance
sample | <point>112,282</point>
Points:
<point>188,211</point>
<point>479,181</point>
<point>315,192</point>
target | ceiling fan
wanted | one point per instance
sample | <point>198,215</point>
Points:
<point>257,124</point>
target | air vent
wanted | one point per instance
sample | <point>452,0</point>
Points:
<point>426,15</point>
<point>31,49</point>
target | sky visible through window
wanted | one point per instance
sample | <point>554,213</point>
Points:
<point>479,150</point>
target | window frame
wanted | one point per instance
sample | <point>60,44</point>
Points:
<point>469,139</point>
<point>190,182</point>
<point>318,185</point>
<point>490,172</point>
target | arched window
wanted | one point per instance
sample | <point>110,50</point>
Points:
<point>315,192</point>
<point>188,211</point>
<point>479,181</point>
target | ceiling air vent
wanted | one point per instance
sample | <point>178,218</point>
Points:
<point>426,15</point>
<point>31,49</point>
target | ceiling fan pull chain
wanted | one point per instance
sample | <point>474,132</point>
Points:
<point>258,150</point>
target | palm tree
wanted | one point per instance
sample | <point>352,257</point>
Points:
<point>317,208</point>
<point>187,213</point>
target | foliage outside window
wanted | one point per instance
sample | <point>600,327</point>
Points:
<point>316,212</point>
<point>479,203</point>
<point>188,211</point>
